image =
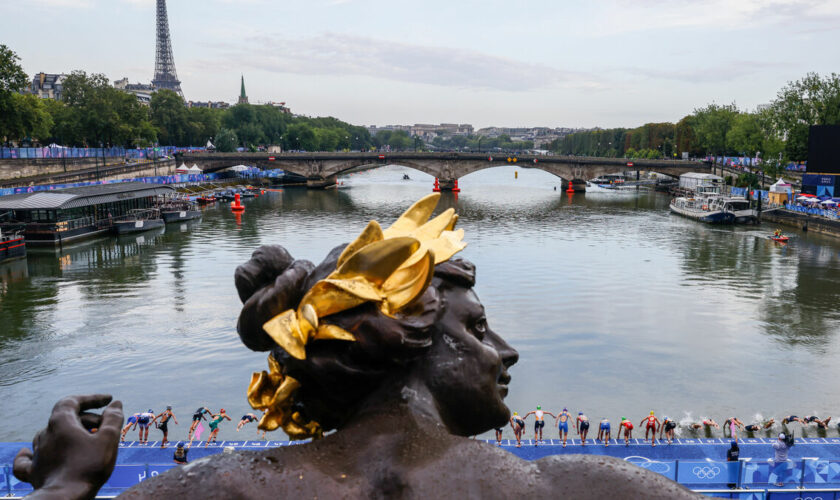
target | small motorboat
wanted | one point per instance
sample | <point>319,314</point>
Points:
<point>138,220</point>
<point>779,239</point>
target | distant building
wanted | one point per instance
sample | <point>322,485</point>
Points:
<point>208,104</point>
<point>243,98</point>
<point>142,91</point>
<point>48,86</point>
<point>427,131</point>
<point>281,106</point>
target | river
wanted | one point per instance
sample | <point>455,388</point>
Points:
<point>615,306</point>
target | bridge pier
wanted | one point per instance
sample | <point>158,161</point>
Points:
<point>320,182</point>
<point>447,184</point>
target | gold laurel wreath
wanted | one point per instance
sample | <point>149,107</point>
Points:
<point>390,268</point>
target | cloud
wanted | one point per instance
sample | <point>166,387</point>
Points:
<point>345,55</point>
<point>75,4</point>
<point>725,72</point>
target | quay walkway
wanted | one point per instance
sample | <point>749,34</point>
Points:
<point>813,469</point>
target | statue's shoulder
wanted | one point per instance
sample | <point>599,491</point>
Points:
<point>598,476</point>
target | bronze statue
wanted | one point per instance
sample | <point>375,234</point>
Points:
<point>386,343</point>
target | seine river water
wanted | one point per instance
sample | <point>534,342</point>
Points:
<point>615,306</point>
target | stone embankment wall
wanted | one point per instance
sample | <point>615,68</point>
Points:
<point>804,222</point>
<point>51,171</point>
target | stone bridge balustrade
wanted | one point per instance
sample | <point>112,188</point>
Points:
<point>320,169</point>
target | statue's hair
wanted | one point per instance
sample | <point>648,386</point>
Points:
<point>337,375</point>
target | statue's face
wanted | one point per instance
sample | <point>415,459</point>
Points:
<point>466,368</point>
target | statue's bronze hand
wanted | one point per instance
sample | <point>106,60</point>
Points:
<point>67,460</point>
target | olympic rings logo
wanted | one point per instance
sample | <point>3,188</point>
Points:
<point>705,472</point>
<point>809,498</point>
<point>651,465</point>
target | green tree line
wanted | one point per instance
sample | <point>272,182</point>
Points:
<point>724,130</point>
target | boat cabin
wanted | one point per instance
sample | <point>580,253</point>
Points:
<point>702,184</point>
<point>63,215</point>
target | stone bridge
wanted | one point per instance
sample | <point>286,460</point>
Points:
<point>320,169</point>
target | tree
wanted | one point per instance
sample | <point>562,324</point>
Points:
<point>226,140</point>
<point>12,80</point>
<point>813,100</point>
<point>170,117</point>
<point>746,135</point>
<point>712,123</point>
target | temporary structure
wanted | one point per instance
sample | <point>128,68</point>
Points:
<point>195,170</point>
<point>182,169</point>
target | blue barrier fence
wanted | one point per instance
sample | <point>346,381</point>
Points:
<point>114,152</point>
<point>831,214</point>
<point>694,474</point>
<point>161,179</point>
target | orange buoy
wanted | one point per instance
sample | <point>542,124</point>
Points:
<point>436,189</point>
<point>236,205</point>
<point>456,189</point>
<point>571,188</point>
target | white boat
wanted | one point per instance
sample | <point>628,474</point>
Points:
<point>702,209</point>
<point>739,207</point>
<point>609,183</point>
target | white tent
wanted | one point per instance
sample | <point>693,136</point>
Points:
<point>828,202</point>
<point>182,169</point>
<point>210,145</point>
<point>781,187</point>
<point>195,170</point>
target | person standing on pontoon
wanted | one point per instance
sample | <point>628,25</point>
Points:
<point>539,423</point>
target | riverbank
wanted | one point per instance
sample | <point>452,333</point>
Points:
<point>802,221</point>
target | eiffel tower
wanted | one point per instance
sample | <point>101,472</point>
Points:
<point>165,76</point>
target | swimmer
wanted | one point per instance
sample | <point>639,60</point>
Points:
<point>539,424</point>
<point>792,418</point>
<point>517,423</point>
<point>627,427</point>
<point>562,419</point>
<point>198,416</point>
<point>604,431</point>
<point>651,424</point>
<point>582,427</point>
<point>706,422</point>
<point>247,419</point>
<point>733,424</point>
<point>164,424</point>
<point>498,436</point>
<point>822,424</point>
<point>758,426</point>
<point>132,421</point>
<point>214,425</point>
<point>143,420</point>
<point>667,427</point>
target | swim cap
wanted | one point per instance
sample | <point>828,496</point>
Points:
<point>516,413</point>
<point>151,410</point>
<point>651,413</point>
<point>168,407</point>
<point>222,410</point>
<point>180,445</point>
<point>564,409</point>
<point>622,418</point>
<point>781,435</point>
<point>580,413</point>
<point>734,443</point>
<point>539,407</point>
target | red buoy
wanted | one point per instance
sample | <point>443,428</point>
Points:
<point>571,188</point>
<point>456,189</point>
<point>235,205</point>
<point>436,189</point>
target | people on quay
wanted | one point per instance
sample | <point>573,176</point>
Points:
<point>811,419</point>
<point>733,424</point>
<point>733,454</point>
<point>604,431</point>
<point>651,424</point>
<point>214,426</point>
<point>143,421</point>
<point>131,424</point>
<point>539,423</point>
<point>163,425</point>
<point>180,455</point>
<point>582,427</point>
<point>668,428</point>
<point>517,423</point>
<point>760,425</point>
<point>562,420</point>
<point>625,426</point>
<point>198,416</point>
<point>780,455</point>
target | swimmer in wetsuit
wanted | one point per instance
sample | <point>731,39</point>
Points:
<point>562,419</point>
<point>246,419</point>
<point>758,426</point>
<point>539,423</point>
<point>651,424</point>
<point>625,426</point>
<point>164,424</point>
<point>792,418</point>
<point>197,417</point>
<point>604,431</point>
<point>214,426</point>
<point>668,428</point>
<point>143,420</point>
<point>132,421</point>
<point>517,423</point>
<point>733,424</point>
<point>822,424</point>
<point>582,427</point>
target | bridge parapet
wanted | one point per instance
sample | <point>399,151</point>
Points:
<point>321,168</point>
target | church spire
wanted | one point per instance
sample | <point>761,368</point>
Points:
<point>243,98</point>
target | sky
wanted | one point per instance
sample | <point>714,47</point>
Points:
<point>554,63</point>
